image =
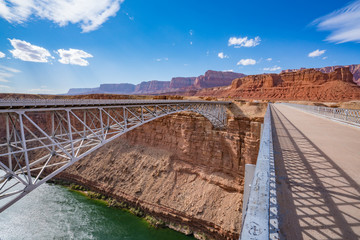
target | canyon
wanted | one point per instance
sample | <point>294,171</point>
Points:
<point>209,79</point>
<point>354,69</point>
<point>218,83</point>
<point>179,169</point>
<point>305,84</point>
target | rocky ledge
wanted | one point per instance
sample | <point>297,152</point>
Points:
<point>178,169</point>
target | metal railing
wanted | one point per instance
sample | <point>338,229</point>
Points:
<point>261,219</point>
<point>9,103</point>
<point>350,116</point>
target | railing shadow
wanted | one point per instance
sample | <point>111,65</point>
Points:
<point>317,199</point>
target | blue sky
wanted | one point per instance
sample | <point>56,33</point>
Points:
<point>51,46</point>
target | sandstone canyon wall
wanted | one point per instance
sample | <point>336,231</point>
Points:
<point>216,79</point>
<point>210,79</point>
<point>151,86</point>
<point>307,84</point>
<point>181,82</point>
<point>124,88</point>
<point>178,168</point>
<point>354,69</point>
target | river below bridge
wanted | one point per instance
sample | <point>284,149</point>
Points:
<point>54,212</point>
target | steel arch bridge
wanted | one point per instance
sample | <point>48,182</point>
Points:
<point>41,138</point>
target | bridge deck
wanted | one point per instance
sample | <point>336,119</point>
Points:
<point>318,174</point>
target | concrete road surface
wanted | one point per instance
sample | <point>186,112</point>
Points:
<point>318,174</point>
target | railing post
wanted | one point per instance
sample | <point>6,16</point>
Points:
<point>346,115</point>
<point>249,176</point>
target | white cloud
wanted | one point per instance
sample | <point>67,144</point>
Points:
<point>316,53</point>
<point>90,14</point>
<point>6,73</point>
<point>269,59</point>
<point>191,32</point>
<point>191,43</point>
<point>222,55</point>
<point>244,42</point>
<point>272,69</point>
<point>28,52</point>
<point>230,70</point>
<point>162,59</point>
<point>130,17</point>
<point>246,62</point>
<point>2,55</point>
<point>324,58</point>
<point>6,89</point>
<point>344,24</point>
<point>10,69</point>
<point>74,57</point>
<point>4,76</point>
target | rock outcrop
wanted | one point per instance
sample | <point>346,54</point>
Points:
<point>177,84</point>
<point>354,69</point>
<point>120,88</point>
<point>307,84</point>
<point>153,86</point>
<point>177,168</point>
<point>216,79</point>
<point>181,82</point>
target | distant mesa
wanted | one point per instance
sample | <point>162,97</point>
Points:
<point>181,82</point>
<point>336,83</point>
<point>303,84</point>
<point>177,84</point>
<point>354,69</point>
<point>216,79</point>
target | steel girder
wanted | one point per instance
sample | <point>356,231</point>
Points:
<point>38,143</point>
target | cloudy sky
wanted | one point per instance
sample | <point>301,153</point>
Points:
<point>49,46</point>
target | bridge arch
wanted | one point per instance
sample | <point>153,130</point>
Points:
<point>43,138</point>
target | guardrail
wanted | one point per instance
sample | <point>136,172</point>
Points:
<point>261,219</point>
<point>349,116</point>
<point>70,102</point>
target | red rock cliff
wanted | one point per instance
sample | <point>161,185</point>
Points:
<point>151,86</point>
<point>354,69</point>
<point>216,79</point>
<point>182,82</point>
<point>307,84</point>
<point>178,168</point>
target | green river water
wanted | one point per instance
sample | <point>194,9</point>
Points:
<point>54,212</point>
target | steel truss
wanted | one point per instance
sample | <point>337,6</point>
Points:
<point>39,141</point>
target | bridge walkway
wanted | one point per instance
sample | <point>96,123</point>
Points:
<point>318,175</point>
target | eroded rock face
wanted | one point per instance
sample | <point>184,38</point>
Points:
<point>306,84</point>
<point>124,88</point>
<point>216,79</point>
<point>151,86</point>
<point>182,82</point>
<point>178,168</point>
<point>354,69</point>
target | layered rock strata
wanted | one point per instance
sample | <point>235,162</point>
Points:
<point>216,79</point>
<point>209,79</point>
<point>307,84</point>
<point>354,69</point>
<point>179,169</point>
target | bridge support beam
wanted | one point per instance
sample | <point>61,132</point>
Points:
<point>42,139</point>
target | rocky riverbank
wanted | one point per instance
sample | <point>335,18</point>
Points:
<point>179,170</point>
